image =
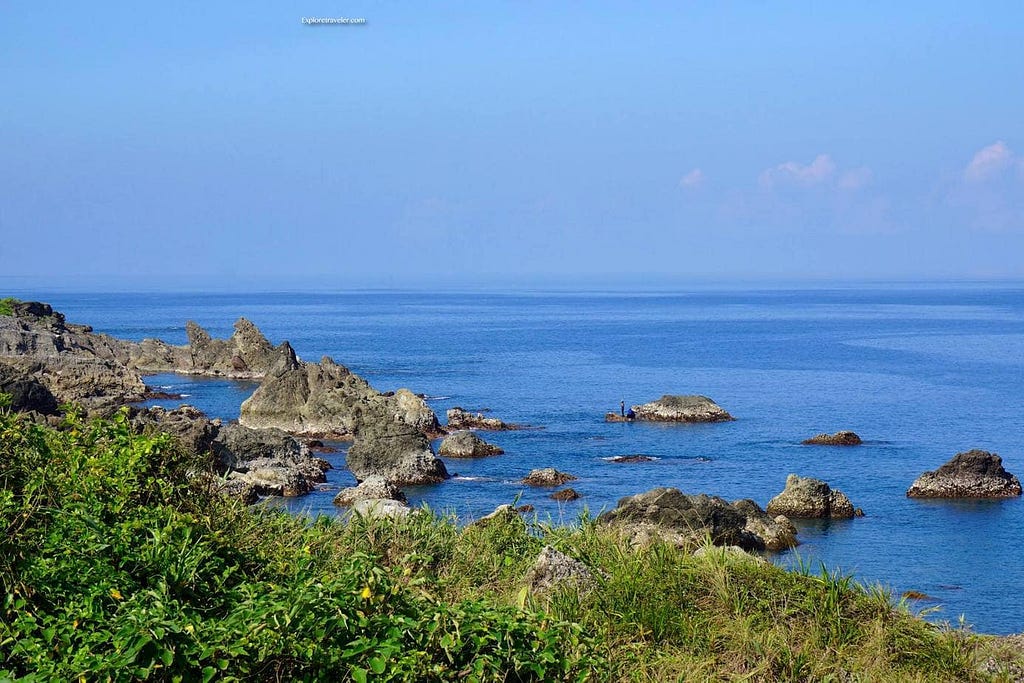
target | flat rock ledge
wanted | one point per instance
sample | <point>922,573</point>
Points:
<point>971,474</point>
<point>459,418</point>
<point>687,521</point>
<point>843,438</point>
<point>670,408</point>
<point>466,444</point>
<point>371,488</point>
<point>807,498</point>
<point>547,476</point>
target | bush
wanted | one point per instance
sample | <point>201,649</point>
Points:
<point>7,306</point>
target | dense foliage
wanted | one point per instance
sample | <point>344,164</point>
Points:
<point>120,562</point>
<point>7,305</point>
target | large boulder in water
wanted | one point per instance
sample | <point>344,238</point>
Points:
<point>458,418</point>
<point>670,408</point>
<point>972,474</point>
<point>807,498</point>
<point>395,451</point>
<point>547,476</point>
<point>686,521</point>
<point>466,444</point>
<point>371,488</point>
<point>842,438</point>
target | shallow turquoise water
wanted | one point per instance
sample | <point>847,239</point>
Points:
<point>920,373</point>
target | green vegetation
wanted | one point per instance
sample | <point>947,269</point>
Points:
<point>7,305</point>
<point>119,562</point>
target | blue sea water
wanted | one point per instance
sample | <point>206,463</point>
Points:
<point>921,372</point>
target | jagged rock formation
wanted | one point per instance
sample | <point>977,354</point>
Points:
<point>462,419</point>
<point>326,399</point>
<point>371,488</point>
<point>465,444</point>
<point>972,474</point>
<point>554,568</point>
<point>393,450</point>
<point>684,520</point>
<point>268,462</point>
<point>807,498</point>
<point>247,354</point>
<point>547,476</point>
<point>671,408</point>
<point>843,438</point>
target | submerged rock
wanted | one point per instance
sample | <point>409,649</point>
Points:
<point>843,438</point>
<point>466,444</point>
<point>807,498</point>
<point>462,419</point>
<point>671,408</point>
<point>371,488</point>
<point>554,568</point>
<point>972,474</point>
<point>685,520</point>
<point>565,495</point>
<point>547,476</point>
<point>627,459</point>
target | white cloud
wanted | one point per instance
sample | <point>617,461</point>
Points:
<point>855,178</point>
<point>991,161</point>
<point>794,173</point>
<point>694,178</point>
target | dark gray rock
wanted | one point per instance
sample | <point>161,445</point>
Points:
<point>565,495</point>
<point>670,408</point>
<point>463,419</point>
<point>843,438</point>
<point>547,476</point>
<point>394,450</point>
<point>27,393</point>
<point>972,474</point>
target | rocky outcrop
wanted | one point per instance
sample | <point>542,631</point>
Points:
<point>466,444</point>
<point>843,438</point>
<point>326,399</point>
<point>380,508</point>
<point>553,569</point>
<point>27,392</point>
<point>565,495</point>
<point>266,462</point>
<point>684,520</point>
<point>807,498</point>
<point>547,476</point>
<point>395,451</point>
<point>973,474</point>
<point>671,408</point>
<point>616,417</point>
<point>247,354</point>
<point>75,364</point>
<point>371,488</point>
<point>463,419</point>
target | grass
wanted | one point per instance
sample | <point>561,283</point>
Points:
<point>119,562</point>
<point>7,305</point>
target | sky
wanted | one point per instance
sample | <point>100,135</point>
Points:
<point>211,144</point>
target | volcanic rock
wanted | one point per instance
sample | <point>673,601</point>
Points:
<point>973,474</point>
<point>565,495</point>
<point>671,408</point>
<point>547,476</point>
<point>394,450</point>
<point>843,438</point>
<point>463,419</point>
<point>371,488</point>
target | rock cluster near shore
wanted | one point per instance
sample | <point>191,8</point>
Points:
<point>247,354</point>
<point>670,408</point>
<point>843,438</point>
<point>972,474</point>
<point>686,520</point>
<point>807,498</point>
<point>394,450</point>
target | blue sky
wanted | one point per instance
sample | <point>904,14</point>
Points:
<point>528,142</point>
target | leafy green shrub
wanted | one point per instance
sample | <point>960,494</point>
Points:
<point>7,305</point>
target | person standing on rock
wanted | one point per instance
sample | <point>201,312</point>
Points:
<point>622,408</point>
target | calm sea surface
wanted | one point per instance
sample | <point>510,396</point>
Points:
<point>920,373</point>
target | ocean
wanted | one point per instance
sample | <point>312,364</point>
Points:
<point>920,372</point>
